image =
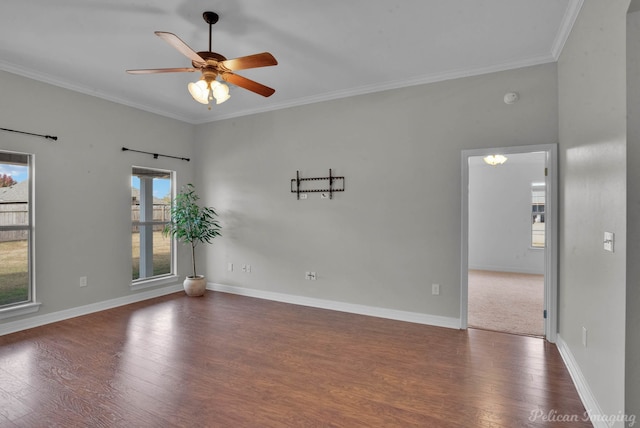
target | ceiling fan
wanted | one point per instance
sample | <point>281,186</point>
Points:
<point>212,65</point>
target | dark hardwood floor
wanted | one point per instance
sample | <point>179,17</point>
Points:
<point>229,361</point>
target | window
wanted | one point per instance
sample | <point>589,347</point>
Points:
<point>151,194</point>
<point>16,284</point>
<point>537,215</point>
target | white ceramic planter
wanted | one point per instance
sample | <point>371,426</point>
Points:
<point>195,286</point>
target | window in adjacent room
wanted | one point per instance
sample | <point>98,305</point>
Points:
<point>151,195</point>
<point>537,215</point>
<point>16,230</point>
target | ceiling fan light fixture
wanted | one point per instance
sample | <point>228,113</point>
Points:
<point>204,92</point>
<point>199,91</point>
<point>220,92</point>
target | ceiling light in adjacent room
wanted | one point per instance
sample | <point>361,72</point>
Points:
<point>494,160</point>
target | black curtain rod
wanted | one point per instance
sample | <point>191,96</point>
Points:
<point>48,137</point>
<point>155,155</point>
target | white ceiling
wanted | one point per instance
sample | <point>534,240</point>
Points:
<point>325,49</point>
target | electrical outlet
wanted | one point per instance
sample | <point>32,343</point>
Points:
<point>435,289</point>
<point>303,196</point>
<point>83,281</point>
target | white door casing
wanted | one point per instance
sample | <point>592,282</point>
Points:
<point>551,232</point>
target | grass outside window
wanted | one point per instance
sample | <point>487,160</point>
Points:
<point>14,272</point>
<point>161,254</point>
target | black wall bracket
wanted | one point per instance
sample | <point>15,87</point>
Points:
<point>302,185</point>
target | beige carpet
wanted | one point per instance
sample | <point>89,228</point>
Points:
<point>508,302</point>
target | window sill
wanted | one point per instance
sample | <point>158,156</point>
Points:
<point>14,311</point>
<point>154,282</point>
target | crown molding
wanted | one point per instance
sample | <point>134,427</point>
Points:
<point>369,89</point>
<point>43,78</point>
<point>569,18</point>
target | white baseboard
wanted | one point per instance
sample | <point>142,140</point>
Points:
<point>419,318</point>
<point>36,321</point>
<point>393,314</point>
<point>507,269</point>
<point>588,400</point>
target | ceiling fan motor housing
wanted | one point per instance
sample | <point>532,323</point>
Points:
<point>212,65</point>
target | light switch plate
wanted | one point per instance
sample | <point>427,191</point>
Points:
<point>609,241</point>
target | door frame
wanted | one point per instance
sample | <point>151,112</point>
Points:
<point>551,232</point>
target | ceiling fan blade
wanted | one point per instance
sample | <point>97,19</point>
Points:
<point>263,59</point>
<point>181,46</point>
<point>248,84</point>
<point>162,70</point>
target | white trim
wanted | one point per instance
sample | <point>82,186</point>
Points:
<point>509,269</point>
<point>551,234</point>
<point>72,86</point>
<point>333,305</point>
<point>12,327</point>
<point>569,18</point>
<point>362,90</point>
<point>15,311</point>
<point>391,85</point>
<point>586,396</point>
<point>154,281</point>
<point>551,244</point>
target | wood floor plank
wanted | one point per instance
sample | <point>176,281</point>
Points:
<point>225,360</point>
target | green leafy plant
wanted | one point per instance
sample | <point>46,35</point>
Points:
<point>190,222</point>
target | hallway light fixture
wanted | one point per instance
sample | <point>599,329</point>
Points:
<point>494,160</point>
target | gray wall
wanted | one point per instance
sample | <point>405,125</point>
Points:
<point>83,181</point>
<point>396,228</point>
<point>592,123</point>
<point>500,214</point>
<point>632,362</point>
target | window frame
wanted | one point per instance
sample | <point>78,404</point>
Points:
<point>537,188</point>
<point>171,276</point>
<point>30,304</point>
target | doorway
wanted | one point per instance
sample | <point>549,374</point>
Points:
<point>509,240</point>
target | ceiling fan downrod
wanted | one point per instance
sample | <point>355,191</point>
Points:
<point>210,18</point>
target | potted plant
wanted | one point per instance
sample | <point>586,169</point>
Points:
<point>192,224</point>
